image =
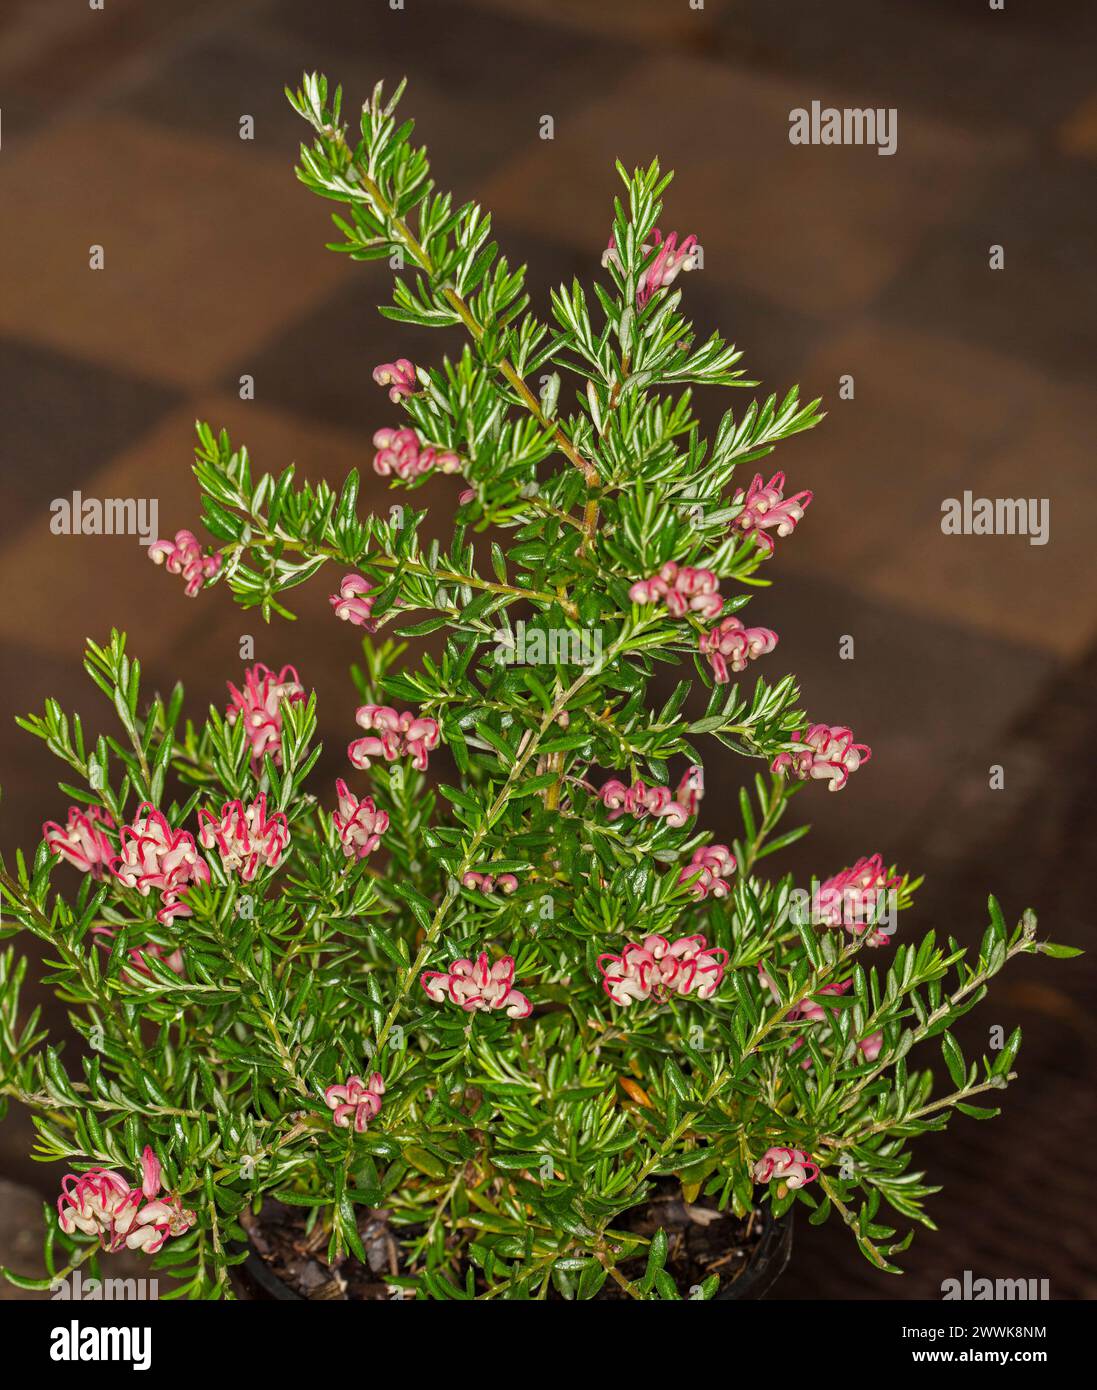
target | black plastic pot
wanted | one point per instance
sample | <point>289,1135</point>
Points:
<point>254,1279</point>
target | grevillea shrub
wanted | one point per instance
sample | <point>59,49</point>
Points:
<point>514,967</point>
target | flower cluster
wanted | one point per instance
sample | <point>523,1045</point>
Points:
<point>827,752</point>
<point>359,823</point>
<point>354,601</point>
<point>402,452</point>
<point>486,883</point>
<point>83,841</point>
<point>793,1167</point>
<point>260,704</point>
<point>398,735</point>
<point>641,800</point>
<point>714,864</point>
<point>399,376</point>
<point>656,969</point>
<point>101,1203</point>
<point>731,645</point>
<point>356,1101</point>
<point>154,856</point>
<point>853,899</point>
<point>184,556</point>
<point>664,269</point>
<point>246,838</point>
<point>766,508</point>
<point>682,589</point>
<point>477,986</point>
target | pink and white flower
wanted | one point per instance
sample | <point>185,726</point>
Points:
<point>730,645</point>
<point>716,864</point>
<point>682,589</point>
<point>246,838</point>
<point>855,897</point>
<point>154,856</point>
<point>184,556</point>
<point>260,704</point>
<point>402,452</point>
<point>488,883</point>
<point>356,1101</point>
<point>83,840</point>
<point>398,735</point>
<point>359,823</point>
<point>101,1203</point>
<point>827,753</point>
<point>766,508</point>
<point>354,601</point>
<point>654,969</point>
<point>640,800</point>
<point>665,268</point>
<point>793,1167</point>
<point>399,376</point>
<point>478,987</point>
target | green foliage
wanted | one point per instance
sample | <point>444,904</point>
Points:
<point>509,1153</point>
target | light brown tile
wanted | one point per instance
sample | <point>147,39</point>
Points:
<point>819,229</point>
<point>209,248</point>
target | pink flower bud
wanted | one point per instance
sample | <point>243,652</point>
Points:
<point>826,752</point>
<point>356,1101</point>
<point>359,823</point>
<point>766,508</point>
<point>83,841</point>
<point>184,556</point>
<point>655,969</point>
<point>399,376</point>
<point>259,704</point>
<point>245,838</point>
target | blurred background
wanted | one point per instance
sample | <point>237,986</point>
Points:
<point>121,128</point>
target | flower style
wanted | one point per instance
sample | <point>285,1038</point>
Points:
<point>402,452</point>
<point>794,1167</point>
<point>357,1099</point>
<point>715,863</point>
<point>854,897</point>
<point>486,883</point>
<point>682,589</point>
<point>398,735</point>
<point>765,508</point>
<point>245,837</point>
<point>664,269</point>
<point>655,969</point>
<point>156,856</point>
<point>354,601</point>
<point>260,703</point>
<point>101,1203</point>
<point>83,841</point>
<point>359,823</point>
<point>399,376</point>
<point>477,986</point>
<point>827,752</point>
<point>184,556</point>
<point>730,645</point>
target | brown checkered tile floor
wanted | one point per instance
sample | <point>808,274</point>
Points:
<point>120,128</point>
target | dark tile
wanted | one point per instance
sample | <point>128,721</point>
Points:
<point>64,419</point>
<point>1042,307</point>
<point>478,82</point>
<point>960,62</point>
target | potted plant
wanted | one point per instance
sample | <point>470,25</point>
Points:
<point>512,1011</point>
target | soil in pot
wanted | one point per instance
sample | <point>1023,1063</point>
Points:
<point>288,1262</point>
